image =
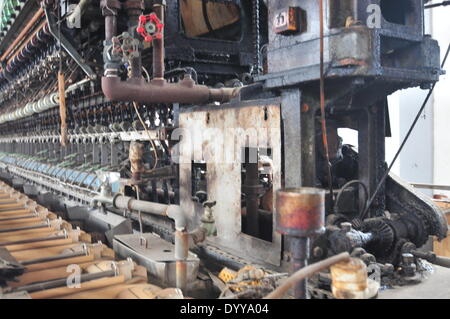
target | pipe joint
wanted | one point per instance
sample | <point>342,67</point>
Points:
<point>176,213</point>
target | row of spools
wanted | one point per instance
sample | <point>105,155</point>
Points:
<point>27,54</point>
<point>44,104</point>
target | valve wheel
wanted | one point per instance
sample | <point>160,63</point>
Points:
<point>150,27</point>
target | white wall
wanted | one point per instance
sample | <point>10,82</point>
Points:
<point>440,29</point>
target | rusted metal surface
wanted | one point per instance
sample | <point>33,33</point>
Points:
<point>224,176</point>
<point>158,258</point>
<point>181,256</point>
<point>349,279</point>
<point>300,212</point>
<point>136,159</point>
<point>158,49</point>
<point>157,90</point>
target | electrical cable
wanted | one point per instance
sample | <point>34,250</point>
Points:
<point>430,92</point>
<point>322,104</point>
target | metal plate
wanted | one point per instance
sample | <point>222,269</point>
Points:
<point>158,258</point>
<point>224,177</point>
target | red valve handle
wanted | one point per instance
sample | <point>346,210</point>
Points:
<point>151,18</point>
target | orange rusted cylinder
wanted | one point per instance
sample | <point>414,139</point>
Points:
<point>300,211</point>
<point>349,279</point>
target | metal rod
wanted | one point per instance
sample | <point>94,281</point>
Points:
<point>431,186</point>
<point>63,282</point>
<point>322,105</point>
<point>53,258</point>
<point>32,240</point>
<point>300,256</point>
<point>23,228</point>
<point>434,5</point>
<point>158,46</point>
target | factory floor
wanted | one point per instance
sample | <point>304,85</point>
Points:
<point>437,286</point>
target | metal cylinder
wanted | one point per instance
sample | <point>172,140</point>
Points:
<point>158,46</point>
<point>300,214</point>
<point>349,279</point>
<point>300,211</point>
<point>181,256</point>
<point>125,202</point>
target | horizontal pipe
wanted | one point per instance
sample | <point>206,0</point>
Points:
<point>124,202</point>
<point>159,91</point>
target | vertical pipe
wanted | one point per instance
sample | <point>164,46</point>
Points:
<point>134,10</point>
<point>110,27</point>
<point>181,256</point>
<point>300,256</point>
<point>158,46</point>
<point>323,120</point>
<point>251,192</point>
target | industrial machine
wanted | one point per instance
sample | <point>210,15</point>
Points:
<point>200,137</point>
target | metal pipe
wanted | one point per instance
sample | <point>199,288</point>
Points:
<point>432,258</point>
<point>300,214</point>
<point>172,211</point>
<point>134,9</point>
<point>158,90</point>
<point>158,46</point>
<point>304,273</point>
<point>181,256</point>
<point>53,258</point>
<point>251,188</point>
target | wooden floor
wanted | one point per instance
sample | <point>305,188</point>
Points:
<point>61,261</point>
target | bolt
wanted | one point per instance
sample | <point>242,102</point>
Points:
<point>408,258</point>
<point>346,226</point>
<point>317,252</point>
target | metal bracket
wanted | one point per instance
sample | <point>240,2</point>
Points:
<point>67,45</point>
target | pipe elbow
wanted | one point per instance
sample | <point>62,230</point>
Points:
<point>176,213</point>
<point>111,89</point>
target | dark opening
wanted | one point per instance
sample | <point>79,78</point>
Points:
<point>340,10</point>
<point>257,193</point>
<point>396,11</point>
<point>199,182</point>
